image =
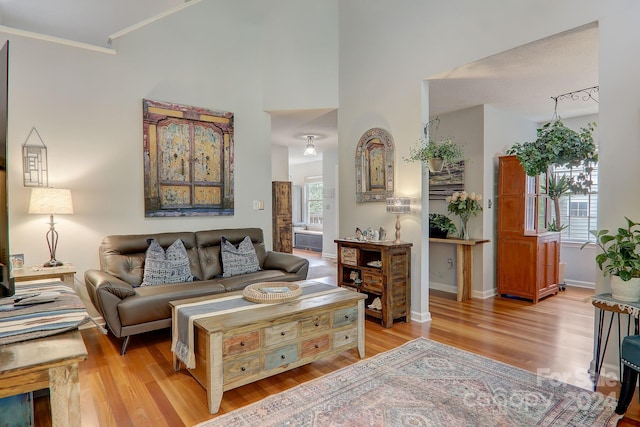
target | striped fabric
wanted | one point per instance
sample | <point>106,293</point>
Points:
<point>23,323</point>
<point>183,338</point>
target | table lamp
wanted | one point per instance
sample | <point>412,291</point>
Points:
<point>51,201</point>
<point>398,205</point>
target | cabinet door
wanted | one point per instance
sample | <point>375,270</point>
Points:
<point>551,252</point>
<point>517,266</point>
<point>282,224</point>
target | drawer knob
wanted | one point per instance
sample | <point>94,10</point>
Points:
<point>283,357</point>
<point>346,337</point>
<point>282,333</point>
<point>317,346</point>
<point>346,316</point>
<point>242,344</point>
<point>243,369</point>
<point>317,324</point>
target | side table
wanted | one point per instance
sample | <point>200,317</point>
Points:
<point>606,304</point>
<point>66,273</point>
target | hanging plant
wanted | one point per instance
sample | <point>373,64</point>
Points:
<point>560,146</point>
<point>428,150</point>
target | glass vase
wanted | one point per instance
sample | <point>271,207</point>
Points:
<point>464,227</point>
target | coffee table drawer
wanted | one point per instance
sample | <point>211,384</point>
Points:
<point>243,366</point>
<point>346,337</point>
<point>281,356</point>
<point>241,343</point>
<point>315,346</point>
<point>345,316</point>
<point>315,323</point>
<point>279,334</point>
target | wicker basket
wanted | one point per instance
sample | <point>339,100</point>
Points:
<point>271,292</point>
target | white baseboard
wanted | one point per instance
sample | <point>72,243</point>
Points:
<point>579,284</point>
<point>454,290</point>
<point>421,317</point>
<point>329,256</point>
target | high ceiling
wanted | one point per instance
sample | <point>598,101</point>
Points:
<point>521,80</point>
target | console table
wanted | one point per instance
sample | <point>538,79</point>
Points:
<point>379,270</point>
<point>464,263</point>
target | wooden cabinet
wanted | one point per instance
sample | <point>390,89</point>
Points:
<point>528,254</point>
<point>281,217</point>
<point>380,270</point>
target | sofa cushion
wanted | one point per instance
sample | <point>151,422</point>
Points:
<point>170,266</point>
<point>239,259</point>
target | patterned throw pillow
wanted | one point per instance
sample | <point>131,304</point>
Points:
<point>238,260</point>
<point>171,266</point>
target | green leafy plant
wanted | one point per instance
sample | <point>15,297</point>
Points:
<point>558,145</point>
<point>442,223</point>
<point>426,150</point>
<point>620,254</point>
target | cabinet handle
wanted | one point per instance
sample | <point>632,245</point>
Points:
<point>241,343</point>
<point>282,333</point>
<point>346,337</point>
<point>283,357</point>
<point>317,324</point>
<point>346,316</point>
<point>317,346</point>
<point>243,369</point>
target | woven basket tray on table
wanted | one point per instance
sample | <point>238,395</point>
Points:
<point>271,292</point>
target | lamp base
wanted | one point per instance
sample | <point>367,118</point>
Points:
<point>53,263</point>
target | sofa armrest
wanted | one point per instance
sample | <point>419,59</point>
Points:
<point>287,262</point>
<point>98,280</point>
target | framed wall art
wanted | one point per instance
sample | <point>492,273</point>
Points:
<point>374,166</point>
<point>446,182</point>
<point>188,160</point>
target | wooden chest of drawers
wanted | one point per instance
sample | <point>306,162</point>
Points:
<point>234,349</point>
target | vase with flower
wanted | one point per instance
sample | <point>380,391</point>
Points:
<point>464,205</point>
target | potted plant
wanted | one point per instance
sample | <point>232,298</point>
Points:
<point>436,154</point>
<point>440,226</point>
<point>558,145</point>
<point>620,259</point>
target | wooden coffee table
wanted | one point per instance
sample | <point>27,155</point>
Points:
<point>236,348</point>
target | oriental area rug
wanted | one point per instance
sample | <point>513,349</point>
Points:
<point>425,383</point>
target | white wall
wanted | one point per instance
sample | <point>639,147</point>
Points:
<point>279,163</point>
<point>87,105</point>
<point>301,171</point>
<point>300,51</point>
<point>466,128</point>
<point>330,210</point>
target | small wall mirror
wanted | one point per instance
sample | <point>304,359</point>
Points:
<point>374,166</point>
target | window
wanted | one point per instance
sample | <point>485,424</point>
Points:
<point>579,208</point>
<point>579,212</point>
<point>313,201</point>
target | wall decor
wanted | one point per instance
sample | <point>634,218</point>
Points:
<point>188,160</point>
<point>374,166</point>
<point>447,181</point>
<point>35,170</point>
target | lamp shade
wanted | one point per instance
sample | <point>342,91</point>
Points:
<point>398,205</point>
<point>50,201</point>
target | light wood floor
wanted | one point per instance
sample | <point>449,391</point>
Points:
<point>553,337</point>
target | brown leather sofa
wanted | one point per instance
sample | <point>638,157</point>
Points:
<point>129,309</point>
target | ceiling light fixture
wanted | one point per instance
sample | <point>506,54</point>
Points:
<point>311,148</point>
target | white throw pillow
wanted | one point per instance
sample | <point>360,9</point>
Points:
<point>170,266</point>
<point>238,260</point>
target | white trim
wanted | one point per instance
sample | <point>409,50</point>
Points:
<point>454,290</point>
<point>148,21</point>
<point>58,40</point>
<point>421,317</point>
<point>580,284</point>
